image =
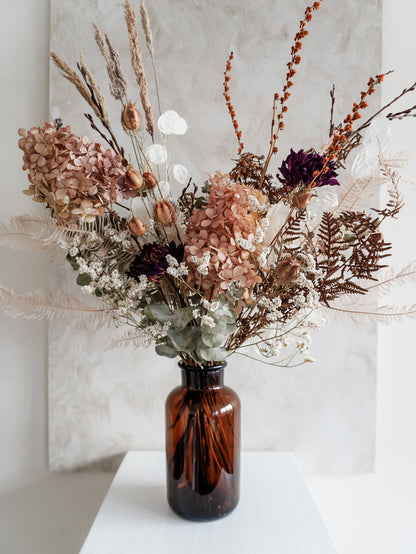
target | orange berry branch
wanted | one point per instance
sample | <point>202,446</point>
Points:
<point>277,123</point>
<point>341,134</point>
<point>230,107</point>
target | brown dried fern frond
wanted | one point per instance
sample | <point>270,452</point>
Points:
<point>138,67</point>
<point>73,78</point>
<point>351,252</point>
<point>63,306</point>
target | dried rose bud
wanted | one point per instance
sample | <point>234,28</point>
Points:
<point>165,212</point>
<point>302,199</point>
<point>133,178</point>
<point>288,270</point>
<point>137,227</point>
<point>131,117</point>
<point>149,179</point>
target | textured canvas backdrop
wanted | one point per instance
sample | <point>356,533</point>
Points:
<point>103,402</point>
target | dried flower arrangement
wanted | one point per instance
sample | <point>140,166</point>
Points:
<point>239,264</point>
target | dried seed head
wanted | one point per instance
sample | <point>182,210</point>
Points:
<point>376,237</point>
<point>165,213</point>
<point>149,179</point>
<point>302,199</point>
<point>288,270</point>
<point>133,178</point>
<point>131,117</point>
<point>137,227</point>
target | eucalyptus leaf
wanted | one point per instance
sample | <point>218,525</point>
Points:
<point>181,338</point>
<point>182,317</point>
<point>213,340</point>
<point>220,327</point>
<point>165,350</point>
<point>160,312</point>
<point>73,262</point>
<point>230,329</point>
<point>212,354</point>
<point>83,279</point>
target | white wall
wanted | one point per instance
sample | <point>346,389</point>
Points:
<point>376,514</point>
<point>41,513</point>
<point>37,510</point>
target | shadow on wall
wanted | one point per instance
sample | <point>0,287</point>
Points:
<point>51,515</point>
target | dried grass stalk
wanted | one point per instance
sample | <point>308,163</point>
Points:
<point>137,64</point>
<point>146,28</point>
<point>99,96</point>
<point>101,44</point>
<point>118,85</point>
<point>73,78</point>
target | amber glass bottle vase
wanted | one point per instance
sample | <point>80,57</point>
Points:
<point>203,445</point>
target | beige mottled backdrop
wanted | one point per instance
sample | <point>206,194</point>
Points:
<point>103,402</point>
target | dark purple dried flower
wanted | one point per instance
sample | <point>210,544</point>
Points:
<point>301,168</point>
<point>152,260</point>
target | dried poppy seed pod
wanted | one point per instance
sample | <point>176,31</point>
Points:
<point>131,117</point>
<point>288,270</point>
<point>137,227</point>
<point>149,179</point>
<point>133,178</point>
<point>302,199</point>
<point>165,213</point>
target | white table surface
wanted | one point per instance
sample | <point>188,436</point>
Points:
<point>276,513</point>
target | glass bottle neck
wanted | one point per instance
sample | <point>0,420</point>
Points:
<point>202,379</point>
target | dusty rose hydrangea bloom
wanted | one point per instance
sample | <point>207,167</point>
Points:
<point>223,239</point>
<point>74,176</point>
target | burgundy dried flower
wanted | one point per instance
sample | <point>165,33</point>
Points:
<point>152,260</point>
<point>301,168</point>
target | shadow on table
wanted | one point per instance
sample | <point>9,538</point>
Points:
<point>52,515</point>
<point>145,502</point>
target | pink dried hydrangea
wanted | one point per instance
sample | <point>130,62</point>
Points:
<point>222,240</point>
<point>77,178</point>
